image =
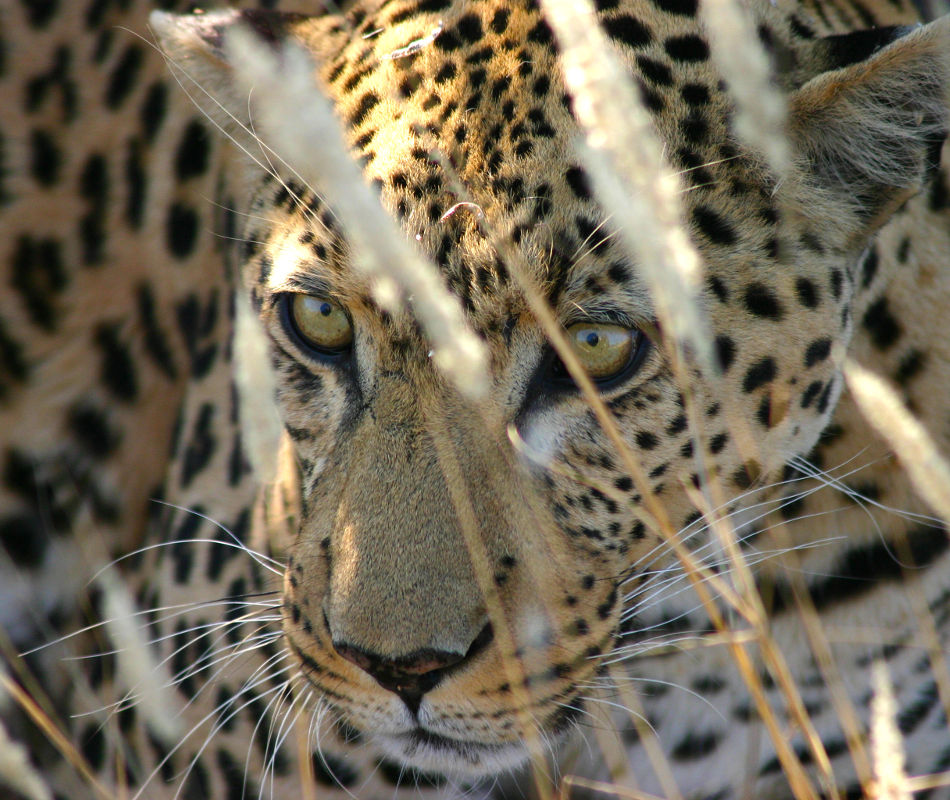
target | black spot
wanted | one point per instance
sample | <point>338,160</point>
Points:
<point>652,100</point>
<point>939,197</point>
<point>912,715</point>
<point>12,362</point>
<point>39,275</point>
<point>817,351</point>
<point>23,539</point>
<point>191,158</point>
<point>718,288</point>
<point>686,49</point>
<point>448,42</point>
<point>123,76</point>
<point>655,71</point>
<point>93,745</point>
<point>45,158</point>
<point>695,745</point>
<point>836,283</point>
<point>825,397</point>
<point>617,273</point>
<point>154,108</point>
<point>883,328</point>
<point>903,250</point>
<point>117,367</point>
<point>367,103</point>
<point>578,181</point>
<point>238,783</point>
<point>747,474</point>
<point>763,413</point>
<point>725,352</point>
<point>811,242</point>
<point>759,374</point>
<point>500,86</point>
<point>469,28</point>
<point>760,300</point>
<point>718,442</point>
<point>686,8</point>
<point>713,226</point>
<point>807,292</point>
<point>93,187</point>
<point>156,342</point>
<point>695,94</point>
<point>135,177</point>
<point>446,73</point>
<point>181,230</point>
<point>541,87</point>
<point>201,446</point>
<point>677,426</point>
<point>910,366</point>
<point>40,12</point>
<point>540,34</point>
<point>331,771</point>
<point>91,429</point>
<point>629,30</point>
<point>869,267</point>
<point>695,129</point>
<point>646,440</point>
<point>624,484</point>
<point>810,393</point>
<point>800,29</point>
<point>499,22</point>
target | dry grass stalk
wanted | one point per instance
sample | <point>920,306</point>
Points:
<point>515,673</point>
<point>283,87</point>
<point>625,160</point>
<point>137,670</point>
<point>915,448</point>
<point>609,789</point>
<point>890,780</point>
<point>760,107</point>
<point>49,729</point>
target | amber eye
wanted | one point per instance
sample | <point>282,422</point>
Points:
<point>603,349</point>
<point>319,323</point>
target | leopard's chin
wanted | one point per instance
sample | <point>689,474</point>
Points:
<point>428,751</point>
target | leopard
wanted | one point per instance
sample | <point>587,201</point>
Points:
<point>256,540</point>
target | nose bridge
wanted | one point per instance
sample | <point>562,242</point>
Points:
<point>402,580</point>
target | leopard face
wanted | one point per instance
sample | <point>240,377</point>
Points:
<point>462,572</point>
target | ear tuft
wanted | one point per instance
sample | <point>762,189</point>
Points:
<point>869,132</point>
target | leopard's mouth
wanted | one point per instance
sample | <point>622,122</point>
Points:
<point>425,749</point>
<point>433,752</point>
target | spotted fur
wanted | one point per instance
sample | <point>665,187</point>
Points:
<point>136,240</point>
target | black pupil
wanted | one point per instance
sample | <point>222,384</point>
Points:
<point>326,309</point>
<point>592,339</point>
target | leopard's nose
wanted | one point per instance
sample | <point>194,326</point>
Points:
<point>411,676</point>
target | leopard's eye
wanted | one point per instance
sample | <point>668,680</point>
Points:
<point>319,323</point>
<point>603,349</point>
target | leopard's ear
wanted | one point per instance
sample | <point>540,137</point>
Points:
<point>868,135</point>
<point>194,47</point>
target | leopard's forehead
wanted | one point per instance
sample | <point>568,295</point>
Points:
<point>460,117</point>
